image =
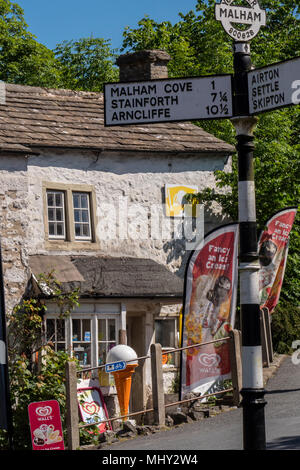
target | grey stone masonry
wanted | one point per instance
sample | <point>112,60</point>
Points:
<point>143,65</point>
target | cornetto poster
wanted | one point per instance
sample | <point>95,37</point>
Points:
<point>273,249</point>
<point>209,309</point>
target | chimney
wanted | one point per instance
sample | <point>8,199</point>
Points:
<point>143,65</point>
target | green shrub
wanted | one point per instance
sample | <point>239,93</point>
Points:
<point>285,327</point>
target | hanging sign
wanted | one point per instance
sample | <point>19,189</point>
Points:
<point>274,86</point>
<point>273,249</point>
<point>209,309</point>
<point>45,425</point>
<point>166,100</point>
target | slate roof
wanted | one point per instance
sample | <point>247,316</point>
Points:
<point>109,277</point>
<point>32,118</point>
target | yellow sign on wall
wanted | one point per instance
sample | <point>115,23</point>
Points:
<point>174,197</point>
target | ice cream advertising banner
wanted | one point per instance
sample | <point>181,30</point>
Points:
<point>273,249</point>
<point>45,425</point>
<point>209,310</point>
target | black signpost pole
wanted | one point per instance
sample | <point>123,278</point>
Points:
<point>253,391</point>
<point>5,402</point>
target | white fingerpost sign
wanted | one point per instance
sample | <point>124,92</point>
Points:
<point>241,23</point>
<point>166,100</point>
<point>274,86</point>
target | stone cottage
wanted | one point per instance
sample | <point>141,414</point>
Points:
<point>90,202</point>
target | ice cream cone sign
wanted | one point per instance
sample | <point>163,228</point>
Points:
<point>121,352</point>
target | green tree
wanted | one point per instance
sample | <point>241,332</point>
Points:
<point>22,59</point>
<point>208,50</point>
<point>86,64</point>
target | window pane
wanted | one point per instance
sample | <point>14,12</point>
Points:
<point>59,214</point>
<point>51,229</point>
<point>165,333</point>
<point>101,330</point>
<point>77,230</point>
<point>50,214</point>
<point>102,353</point>
<point>56,226</point>
<point>58,199</point>
<point>76,330</point>
<point>60,325</point>
<point>84,201</point>
<point>86,330</point>
<point>76,200</point>
<point>50,327</point>
<point>50,199</point>
<point>84,216</point>
<point>81,215</point>
<point>111,330</point>
<point>59,229</point>
<point>85,230</point>
<point>82,352</point>
<point>77,216</point>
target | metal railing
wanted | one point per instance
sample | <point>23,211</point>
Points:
<point>149,410</point>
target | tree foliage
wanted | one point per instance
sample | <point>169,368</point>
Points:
<point>22,59</point>
<point>199,46</point>
<point>86,64</point>
<point>37,372</point>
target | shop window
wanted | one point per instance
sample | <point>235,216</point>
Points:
<point>88,334</point>
<point>82,340</point>
<point>56,333</point>
<point>166,336</point>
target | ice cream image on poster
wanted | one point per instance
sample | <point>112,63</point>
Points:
<point>45,425</point>
<point>209,310</point>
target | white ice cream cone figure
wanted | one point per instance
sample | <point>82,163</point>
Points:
<point>123,378</point>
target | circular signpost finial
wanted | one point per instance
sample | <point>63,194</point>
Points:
<point>234,17</point>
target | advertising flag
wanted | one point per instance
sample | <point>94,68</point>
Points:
<point>273,246</point>
<point>209,309</point>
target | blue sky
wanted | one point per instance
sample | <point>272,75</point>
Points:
<point>53,21</point>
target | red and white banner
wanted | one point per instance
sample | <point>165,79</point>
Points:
<point>209,309</point>
<point>273,249</point>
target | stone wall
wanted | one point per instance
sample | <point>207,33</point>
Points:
<point>123,180</point>
<point>123,183</point>
<point>13,227</point>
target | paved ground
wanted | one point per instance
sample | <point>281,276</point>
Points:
<point>224,431</point>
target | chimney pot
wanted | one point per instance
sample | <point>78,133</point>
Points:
<point>143,65</point>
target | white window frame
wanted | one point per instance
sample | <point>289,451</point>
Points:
<point>89,311</point>
<point>89,223</point>
<point>176,340</point>
<point>63,221</point>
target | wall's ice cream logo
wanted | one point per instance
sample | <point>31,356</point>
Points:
<point>44,411</point>
<point>91,407</point>
<point>241,23</point>
<point>209,360</point>
<point>174,195</point>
